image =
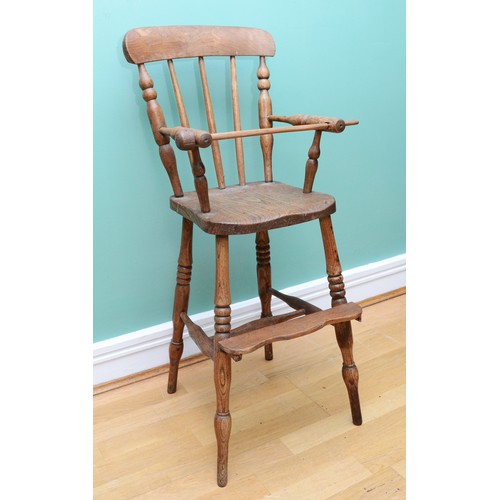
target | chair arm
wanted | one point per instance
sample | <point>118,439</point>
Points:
<point>336,125</point>
<point>187,139</point>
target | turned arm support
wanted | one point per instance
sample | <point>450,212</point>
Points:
<point>191,140</point>
<point>330,124</point>
<point>187,139</point>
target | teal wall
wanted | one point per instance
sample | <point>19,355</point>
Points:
<point>333,57</point>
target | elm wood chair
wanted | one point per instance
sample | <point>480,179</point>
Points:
<point>255,207</point>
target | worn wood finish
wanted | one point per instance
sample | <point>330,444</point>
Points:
<point>263,251</point>
<point>255,207</point>
<point>247,342</point>
<point>265,109</point>
<point>157,120</point>
<point>258,206</point>
<point>295,302</point>
<point>179,101</point>
<point>187,138</point>
<point>222,362</point>
<point>334,124</point>
<point>333,267</point>
<point>178,95</point>
<point>312,162</point>
<point>266,321</point>
<point>158,43</point>
<point>200,182</point>
<point>343,331</point>
<point>181,300</point>
<point>201,339</point>
<point>292,436</point>
<point>219,169</point>
<point>240,160</point>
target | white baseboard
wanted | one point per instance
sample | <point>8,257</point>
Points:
<point>148,348</point>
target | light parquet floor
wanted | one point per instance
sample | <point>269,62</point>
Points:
<point>292,435</point>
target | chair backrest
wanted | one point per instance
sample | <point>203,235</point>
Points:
<point>144,45</point>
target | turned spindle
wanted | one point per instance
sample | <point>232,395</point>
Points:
<point>157,121</point>
<point>200,181</point>
<point>312,162</point>
<point>265,109</point>
<point>343,331</point>
<point>222,361</point>
<point>181,300</point>
<point>263,251</point>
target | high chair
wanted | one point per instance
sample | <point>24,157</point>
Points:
<point>248,207</point>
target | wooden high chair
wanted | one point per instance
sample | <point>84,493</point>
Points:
<point>255,207</point>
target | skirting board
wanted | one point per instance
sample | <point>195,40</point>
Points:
<point>148,348</point>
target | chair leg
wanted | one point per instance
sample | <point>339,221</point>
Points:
<point>343,331</point>
<point>264,279</point>
<point>222,361</point>
<point>180,302</point>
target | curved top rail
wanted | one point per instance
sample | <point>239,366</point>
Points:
<point>142,45</point>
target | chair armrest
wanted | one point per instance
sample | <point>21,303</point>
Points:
<point>187,139</point>
<point>299,123</point>
<point>336,125</point>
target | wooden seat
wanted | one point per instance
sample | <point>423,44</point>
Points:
<point>273,205</point>
<point>255,207</point>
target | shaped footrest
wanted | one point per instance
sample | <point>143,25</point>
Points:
<point>246,342</point>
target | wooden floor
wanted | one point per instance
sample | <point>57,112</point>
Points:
<point>292,435</point>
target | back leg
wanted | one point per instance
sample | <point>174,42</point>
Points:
<point>263,250</point>
<point>180,302</point>
<point>343,331</point>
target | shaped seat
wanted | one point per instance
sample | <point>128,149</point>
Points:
<point>256,207</point>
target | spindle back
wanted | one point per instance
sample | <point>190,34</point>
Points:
<point>145,45</point>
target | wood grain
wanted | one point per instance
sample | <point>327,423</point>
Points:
<point>257,206</point>
<point>267,321</point>
<point>181,301</point>
<point>219,169</point>
<point>179,101</point>
<point>200,338</point>
<point>157,43</point>
<point>240,160</point>
<point>334,124</point>
<point>292,430</point>
<point>247,342</point>
<point>295,302</point>
<point>233,134</point>
<point>222,362</point>
<point>265,109</point>
<point>312,162</point>
<point>157,121</point>
<point>264,280</point>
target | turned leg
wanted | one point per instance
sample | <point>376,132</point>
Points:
<point>222,361</point>
<point>264,279</point>
<point>343,331</point>
<point>180,302</point>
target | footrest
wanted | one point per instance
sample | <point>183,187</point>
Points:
<point>246,342</point>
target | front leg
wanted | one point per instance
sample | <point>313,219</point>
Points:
<point>222,360</point>
<point>180,302</point>
<point>343,331</point>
